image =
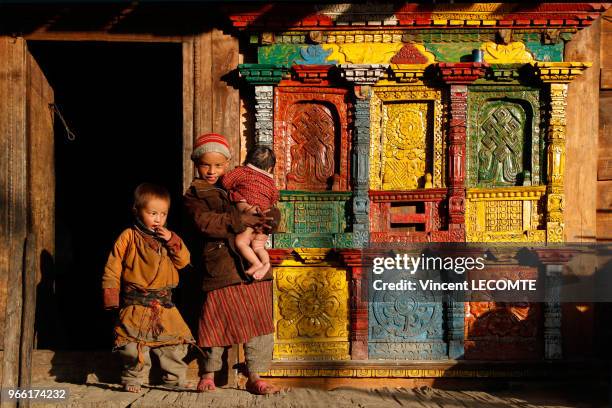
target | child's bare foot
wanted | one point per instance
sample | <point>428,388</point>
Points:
<point>131,387</point>
<point>251,271</point>
<point>207,383</point>
<point>261,272</point>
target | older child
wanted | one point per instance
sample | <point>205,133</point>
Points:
<point>142,270</point>
<point>252,188</point>
<point>235,309</point>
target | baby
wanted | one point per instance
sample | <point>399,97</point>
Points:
<point>253,190</point>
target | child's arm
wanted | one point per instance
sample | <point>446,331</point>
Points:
<point>177,251</point>
<point>111,280</point>
<point>210,223</point>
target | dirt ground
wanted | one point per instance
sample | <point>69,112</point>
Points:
<point>111,396</point>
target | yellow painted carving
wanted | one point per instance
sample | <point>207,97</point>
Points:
<point>559,72</point>
<point>311,313</point>
<point>312,255</point>
<point>510,214</point>
<point>512,53</point>
<point>362,53</point>
<point>404,145</point>
<point>399,126</point>
<point>472,11</point>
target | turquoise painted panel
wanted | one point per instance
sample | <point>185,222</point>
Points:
<point>548,52</point>
<point>290,54</point>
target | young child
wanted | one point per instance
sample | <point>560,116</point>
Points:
<point>236,309</point>
<point>142,271</point>
<point>253,190</point>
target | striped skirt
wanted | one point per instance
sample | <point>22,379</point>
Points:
<point>234,314</point>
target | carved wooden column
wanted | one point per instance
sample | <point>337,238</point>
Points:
<point>557,75</point>
<point>458,76</point>
<point>362,77</point>
<point>263,77</point>
<point>553,260</point>
<point>358,302</point>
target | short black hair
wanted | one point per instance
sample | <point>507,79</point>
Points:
<point>261,157</point>
<point>145,191</point>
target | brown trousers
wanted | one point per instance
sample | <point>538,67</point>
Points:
<point>257,353</point>
<point>170,360</point>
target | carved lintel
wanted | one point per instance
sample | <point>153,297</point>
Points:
<point>408,73</point>
<point>311,74</point>
<point>559,72</point>
<point>312,255</point>
<point>363,74</point>
<point>262,74</point>
<point>461,72</point>
<point>505,72</point>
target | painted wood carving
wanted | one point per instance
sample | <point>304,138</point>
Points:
<point>310,313</point>
<point>311,139</point>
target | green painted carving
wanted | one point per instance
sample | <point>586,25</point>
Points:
<point>548,52</point>
<point>503,140</point>
<point>500,148</point>
<point>279,54</point>
<point>452,52</point>
<point>314,220</point>
<point>313,241</point>
<point>261,74</point>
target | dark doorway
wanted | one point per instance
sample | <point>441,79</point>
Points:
<point>123,102</point>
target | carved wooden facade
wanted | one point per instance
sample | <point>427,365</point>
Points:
<point>395,134</point>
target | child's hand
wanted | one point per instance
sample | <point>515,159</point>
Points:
<point>163,233</point>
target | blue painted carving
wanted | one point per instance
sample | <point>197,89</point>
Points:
<point>315,55</point>
<point>406,324</point>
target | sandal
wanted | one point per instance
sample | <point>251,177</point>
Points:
<point>260,387</point>
<point>135,388</point>
<point>206,384</point>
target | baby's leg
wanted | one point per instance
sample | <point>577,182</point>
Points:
<point>259,247</point>
<point>243,243</point>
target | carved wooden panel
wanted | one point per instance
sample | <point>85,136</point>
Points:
<point>503,331</point>
<point>314,220</point>
<point>504,143</point>
<point>514,214</point>
<point>310,312</point>
<point>406,325</point>
<point>406,138</point>
<point>311,138</point>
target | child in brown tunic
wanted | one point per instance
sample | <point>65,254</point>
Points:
<point>142,271</point>
<point>236,309</point>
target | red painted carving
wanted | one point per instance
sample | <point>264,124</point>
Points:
<point>503,331</point>
<point>278,255</point>
<point>311,138</point>
<point>462,72</point>
<point>410,216</point>
<point>409,55</point>
<point>311,74</point>
<point>358,287</point>
<point>312,147</point>
<point>456,155</point>
<point>308,17</point>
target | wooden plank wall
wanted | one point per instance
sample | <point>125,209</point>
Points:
<point>13,199</point>
<point>217,99</point>
<point>604,168</point>
<point>582,138</point>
